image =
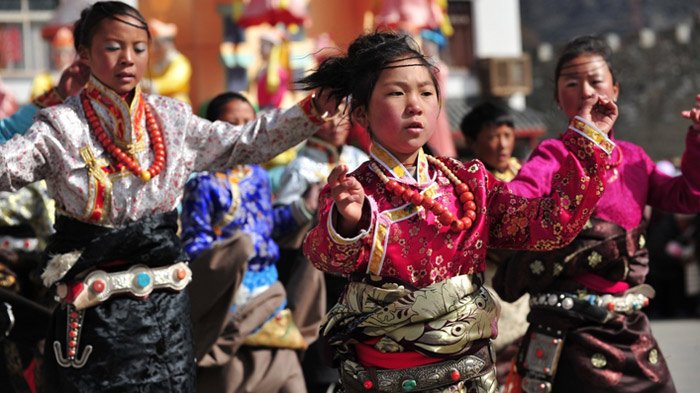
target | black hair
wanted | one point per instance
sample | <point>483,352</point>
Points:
<point>356,73</point>
<point>218,102</point>
<point>485,115</point>
<point>91,16</point>
<point>584,45</point>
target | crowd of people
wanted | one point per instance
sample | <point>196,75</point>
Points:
<point>145,248</point>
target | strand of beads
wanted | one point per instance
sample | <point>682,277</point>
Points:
<point>442,213</point>
<point>122,158</point>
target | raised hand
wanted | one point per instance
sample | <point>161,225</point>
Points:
<point>73,79</point>
<point>694,113</point>
<point>349,197</point>
<point>599,110</point>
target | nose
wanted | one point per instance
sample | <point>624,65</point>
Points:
<point>587,90</point>
<point>413,105</point>
<point>127,56</point>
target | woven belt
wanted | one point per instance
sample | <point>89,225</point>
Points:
<point>431,376</point>
<point>598,308</point>
<point>139,280</point>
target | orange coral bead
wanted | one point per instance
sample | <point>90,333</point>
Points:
<point>471,214</point>
<point>466,196</point>
<point>417,199</point>
<point>467,222</point>
<point>446,217</point>
<point>457,226</point>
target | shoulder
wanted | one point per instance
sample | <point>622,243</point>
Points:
<point>70,107</point>
<point>168,106</point>
<point>63,118</point>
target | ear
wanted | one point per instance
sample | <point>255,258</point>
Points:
<point>616,92</point>
<point>83,55</point>
<point>360,116</point>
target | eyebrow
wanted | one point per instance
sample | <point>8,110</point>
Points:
<point>404,84</point>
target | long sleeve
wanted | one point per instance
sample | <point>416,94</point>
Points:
<point>404,241</point>
<point>198,209</point>
<point>26,159</point>
<point>330,252</point>
<point>553,220</point>
<point>220,145</point>
<point>680,194</point>
<point>18,123</point>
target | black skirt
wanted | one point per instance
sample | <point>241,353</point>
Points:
<point>137,346</point>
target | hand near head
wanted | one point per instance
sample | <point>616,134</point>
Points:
<point>599,110</point>
<point>73,79</point>
<point>694,113</point>
<point>349,197</point>
<point>325,102</point>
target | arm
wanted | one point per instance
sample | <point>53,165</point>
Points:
<point>551,221</point>
<point>197,215</point>
<point>25,159</point>
<point>220,145</point>
<point>679,194</point>
<point>340,240</point>
<point>72,81</point>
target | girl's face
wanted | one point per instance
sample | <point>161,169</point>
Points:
<point>581,77</point>
<point>237,112</point>
<point>118,54</point>
<point>494,146</point>
<point>403,109</point>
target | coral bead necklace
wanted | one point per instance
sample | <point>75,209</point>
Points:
<point>447,218</point>
<point>123,159</point>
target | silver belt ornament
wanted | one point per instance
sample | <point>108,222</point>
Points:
<point>98,286</point>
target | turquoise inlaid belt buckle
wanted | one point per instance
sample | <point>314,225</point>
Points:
<point>139,280</point>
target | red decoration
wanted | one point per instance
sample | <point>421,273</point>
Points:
<point>98,286</point>
<point>367,384</point>
<point>442,214</point>
<point>455,375</point>
<point>122,158</point>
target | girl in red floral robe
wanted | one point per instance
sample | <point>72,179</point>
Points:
<point>411,231</point>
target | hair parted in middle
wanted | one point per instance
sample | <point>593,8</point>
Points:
<point>356,73</point>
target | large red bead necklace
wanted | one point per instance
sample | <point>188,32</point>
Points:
<point>442,213</point>
<point>122,158</point>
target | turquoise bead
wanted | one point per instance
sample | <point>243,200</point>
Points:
<point>143,280</point>
<point>408,385</point>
